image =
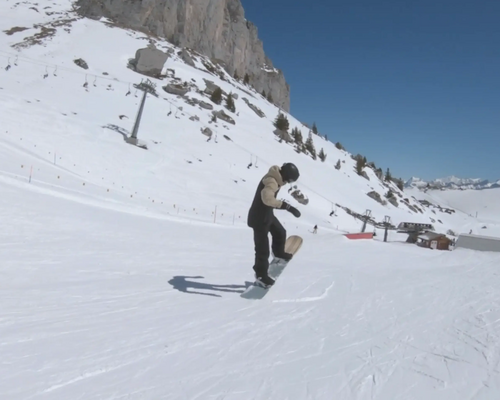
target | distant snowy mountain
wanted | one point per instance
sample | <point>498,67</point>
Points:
<point>451,182</point>
<point>495,184</point>
<point>415,182</point>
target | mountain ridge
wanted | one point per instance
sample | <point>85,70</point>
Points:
<point>451,183</point>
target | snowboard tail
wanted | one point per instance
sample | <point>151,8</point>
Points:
<point>276,267</point>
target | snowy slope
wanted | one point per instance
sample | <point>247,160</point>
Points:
<point>122,268</point>
<point>180,167</point>
<point>98,304</point>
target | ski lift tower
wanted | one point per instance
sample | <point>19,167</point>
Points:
<point>146,87</point>
<point>365,219</point>
<point>387,224</point>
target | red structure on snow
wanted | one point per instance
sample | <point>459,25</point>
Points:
<point>360,235</point>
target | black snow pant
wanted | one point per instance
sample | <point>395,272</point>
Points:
<point>261,240</point>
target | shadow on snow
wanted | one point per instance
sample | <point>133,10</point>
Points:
<point>182,284</point>
<point>118,129</point>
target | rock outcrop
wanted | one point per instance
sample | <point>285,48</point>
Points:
<point>254,108</point>
<point>212,87</point>
<point>376,196</point>
<point>223,116</point>
<point>81,63</point>
<point>178,90</point>
<point>283,135</point>
<point>215,28</point>
<point>149,61</point>
<point>207,132</point>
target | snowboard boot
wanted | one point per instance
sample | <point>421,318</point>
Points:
<point>284,256</point>
<point>263,279</point>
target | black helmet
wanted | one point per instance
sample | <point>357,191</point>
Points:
<point>289,172</point>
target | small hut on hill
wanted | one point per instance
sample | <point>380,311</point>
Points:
<point>432,240</point>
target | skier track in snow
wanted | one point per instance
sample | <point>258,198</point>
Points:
<point>323,296</point>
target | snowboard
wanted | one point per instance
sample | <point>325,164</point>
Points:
<point>276,267</point>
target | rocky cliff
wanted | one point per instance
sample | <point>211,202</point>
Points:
<point>215,28</point>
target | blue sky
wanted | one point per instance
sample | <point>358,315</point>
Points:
<point>411,85</point>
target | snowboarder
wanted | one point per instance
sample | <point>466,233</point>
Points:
<point>262,220</point>
<point>315,229</point>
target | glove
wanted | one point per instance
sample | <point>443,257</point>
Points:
<point>290,209</point>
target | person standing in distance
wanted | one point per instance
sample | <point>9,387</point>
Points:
<point>262,220</point>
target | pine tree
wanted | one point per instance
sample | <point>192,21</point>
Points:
<point>388,176</point>
<point>400,184</point>
<point>314,128</point>
<point>281,122</point>
<point>236,76</point>
<point>216,96</point>
<point>360,164</point>
<point>270,98</point>
<point>338,165</point>
<point>263,93</point>
<point>310,146</point>
<point>339,146</point>
<point>322,155</point>
<point>246,79</point>
<point>297,136</point>
<point>230,103</point>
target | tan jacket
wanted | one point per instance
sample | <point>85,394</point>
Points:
<point>272,184</point>
<point>261,215</point>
